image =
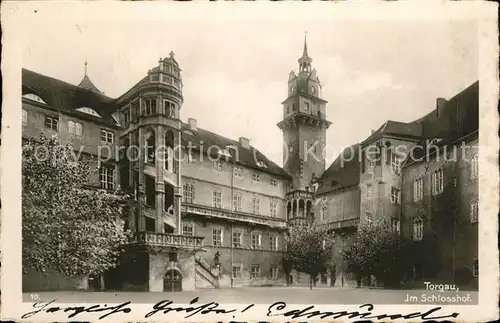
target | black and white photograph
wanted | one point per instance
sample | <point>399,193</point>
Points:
<point>246,159</point>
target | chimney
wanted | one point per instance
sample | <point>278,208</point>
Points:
<point>440,103</point>
<point>192,124</point>
<point>372,131</point>
<point>245,142</point>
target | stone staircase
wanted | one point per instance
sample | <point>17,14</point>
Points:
<point>206,276</point>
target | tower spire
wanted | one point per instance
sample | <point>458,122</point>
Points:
<point>86,66</point>
<point>304,53</point>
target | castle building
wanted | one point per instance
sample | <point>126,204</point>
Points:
<point>212,212</point>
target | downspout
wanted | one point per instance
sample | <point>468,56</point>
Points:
<point>232,225</point>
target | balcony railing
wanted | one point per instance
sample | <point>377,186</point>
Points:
<point>168,240</point>
<point>342,224</point>
<point>233,215</point>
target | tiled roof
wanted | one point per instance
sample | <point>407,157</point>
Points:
<point>247,157</point>
<point>64,96</point>
<point>397,128</point>
<point>342,173</point>
<point>86,83</point>
<point>457,118</point>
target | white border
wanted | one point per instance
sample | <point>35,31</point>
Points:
<point>16,14</point>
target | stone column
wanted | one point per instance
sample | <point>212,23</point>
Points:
<point>178,190</point>
<point>160,184</point>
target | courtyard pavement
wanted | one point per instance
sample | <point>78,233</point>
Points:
<point>257,295</point>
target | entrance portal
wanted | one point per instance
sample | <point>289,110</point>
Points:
<point>172,282</point>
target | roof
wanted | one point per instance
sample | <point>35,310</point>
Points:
<point>67,97</point>
<point>396,128</point>
<point>204,139</point>
<point>457,118</point>
<point>343,173</point>
<point>86,83</point>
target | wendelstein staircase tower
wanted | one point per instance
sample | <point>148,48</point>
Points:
<point>304,128</point>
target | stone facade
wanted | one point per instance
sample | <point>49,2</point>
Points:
<point>238,202</point>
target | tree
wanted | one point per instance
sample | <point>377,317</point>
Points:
<point>309,250</point>
<point>67,226</point>
<point>376,251</point>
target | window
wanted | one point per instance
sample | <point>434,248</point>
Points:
<point>437,182</point>
<point>52,123</point>
<point>255,205</point>
<point>126,118</point>
<point>236,271</point>
<point>224,152</point>
<point>368,217</point>
<point>306,106</point>
<point>256,177</point>
<point>323,211</point>
<point>369,191</point>
<point>474,210</point>
<point>107,136</point>
<point>150,188</point>
<point>25,116</point>
<point>273,208</point>
<point>150,224</point>
<point>418,189</point>
<point>256,240</point>
<point>149,106</point>
<point>217,199</point>
<point>273,243</point>
<point>237,239</point>
<point>217,166</point>
<point>395,225</point>
<point>107,177</point>
<point>187,230</point>
<point>75,128</point>
<point>238,172</point>
<point>274,272</point>
<point>169,108</point>
<point>313,89</point>
<point>34,97</point>
<point>237,202</point>
<point>475,268</point>
<point>216,237</point>
<point>396,164</point>
<point>474,167</point>
<point>188,192</point>
<point>395,195</point>
<point>287,109</point>
<point>418,229</point>
<point>371,166</point>
<point>261,164</point>
<point>135,109</point>
<point>255,271</point>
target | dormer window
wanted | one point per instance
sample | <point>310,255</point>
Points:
<point>261,164</point>
<point>224,152</point>
<point>90,111</point>
<point>313,89</point>
<point>34,97</point>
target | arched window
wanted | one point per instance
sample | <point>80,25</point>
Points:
<point>418,229</point>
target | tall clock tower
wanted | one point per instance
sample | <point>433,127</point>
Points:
<point>304,128</point>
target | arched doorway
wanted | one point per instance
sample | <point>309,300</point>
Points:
<point>172,282</point>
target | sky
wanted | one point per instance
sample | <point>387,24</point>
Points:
<point>235,72</point>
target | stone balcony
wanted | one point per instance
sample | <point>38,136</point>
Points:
<point>207,211</point>
<point>342,224</point>
<point>167,240</point>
